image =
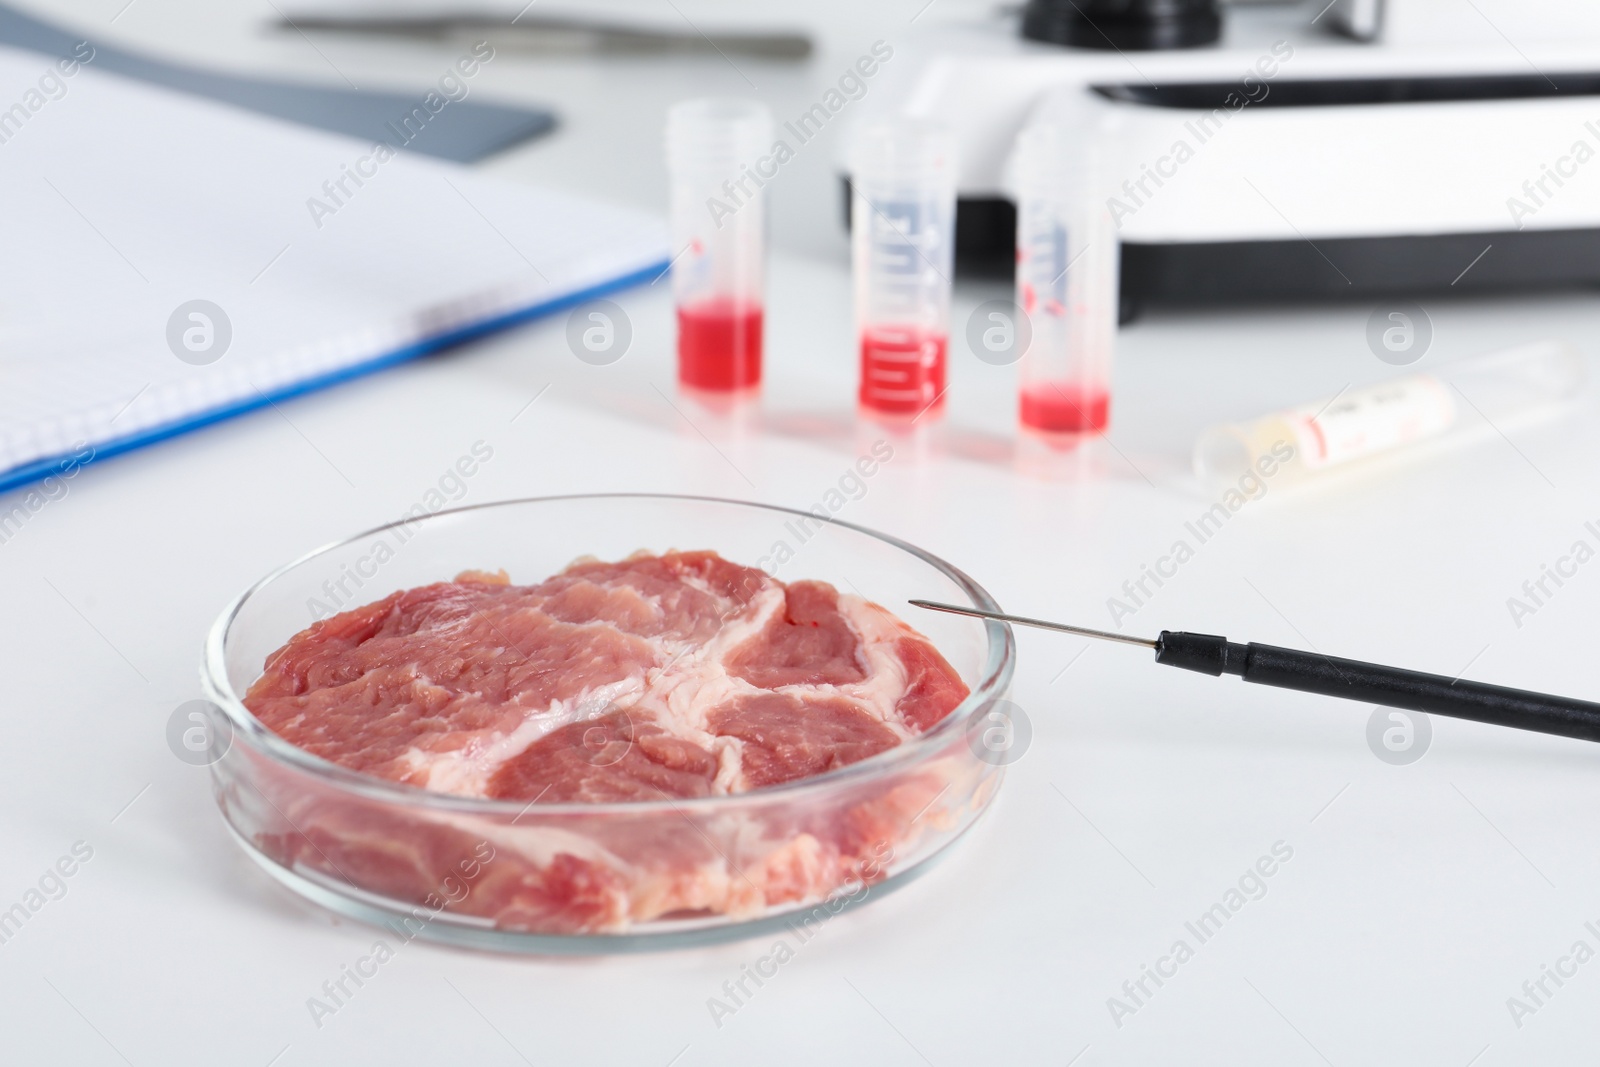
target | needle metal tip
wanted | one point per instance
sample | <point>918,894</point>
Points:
<point>977,613</point>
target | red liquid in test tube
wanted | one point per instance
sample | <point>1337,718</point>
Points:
<point>1067,266</point>
<point>1064,407</point>
<point>902,239</point>
<point>719,229</point>
<point>902,371</point>
<point>719,346</point>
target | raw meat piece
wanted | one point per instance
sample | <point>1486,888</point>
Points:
<point>786,738</point>
<point>607,759</point>
<point>654,678</point>
<point>482,688</point>
<point>808,643</point>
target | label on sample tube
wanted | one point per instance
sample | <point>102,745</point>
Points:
<point>1372,420</point>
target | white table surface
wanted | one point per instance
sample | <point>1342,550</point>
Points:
<point>1418,899</point>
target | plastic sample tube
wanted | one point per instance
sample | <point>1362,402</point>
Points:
<point>719,227</point>
<point>903,238</point>
<point>1067,264</point>
<point>1499,390</point>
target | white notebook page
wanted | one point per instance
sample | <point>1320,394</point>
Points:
<point>120,202</point>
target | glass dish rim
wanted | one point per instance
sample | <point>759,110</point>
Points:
<point>1000,664</point>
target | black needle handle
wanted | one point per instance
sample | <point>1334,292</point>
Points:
<point>1372,683</point>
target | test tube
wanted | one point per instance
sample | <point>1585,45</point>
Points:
<point>903,238</point>
<point>1500,391</point>
<point>719,228</point>
<point>1067,265</point>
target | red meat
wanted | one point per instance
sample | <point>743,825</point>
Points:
<point>655,678</point>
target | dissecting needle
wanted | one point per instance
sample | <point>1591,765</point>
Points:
<point>1312,672</point>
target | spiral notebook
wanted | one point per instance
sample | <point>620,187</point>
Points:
<point>170,262</point>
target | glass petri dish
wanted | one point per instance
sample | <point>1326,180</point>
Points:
<point>578,878</point>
